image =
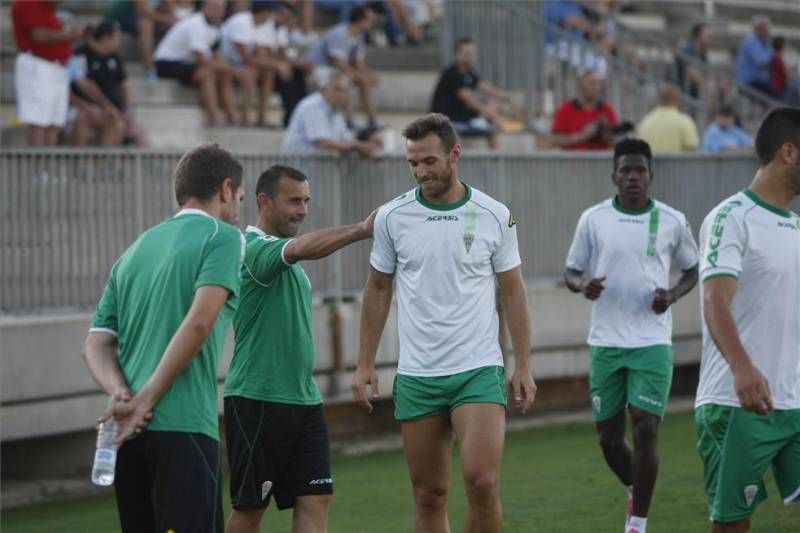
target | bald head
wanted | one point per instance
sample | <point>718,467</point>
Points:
<point>761,25</point>
<point>669,96</point>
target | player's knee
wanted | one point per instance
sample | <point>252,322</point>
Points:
<point>611,441</point>
<point>645,429</point>
<point>482,485</point>
<point>429,499</point>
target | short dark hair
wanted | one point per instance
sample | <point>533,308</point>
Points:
<point>107,27</point>
<point>462,42</point>
<point>697,29</point>
<point>778,43</point>
<point>258,6</point>
<point>726,110</point>
<point>432,123</point>
<point>201,171</point>
<point>781,125</point>
<point>633,146</point>
<point>268,180</point>
<point>357,14</point>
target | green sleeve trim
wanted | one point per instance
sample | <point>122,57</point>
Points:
<point>723,275</point>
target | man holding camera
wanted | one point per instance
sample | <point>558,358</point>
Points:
<point>586,122</point>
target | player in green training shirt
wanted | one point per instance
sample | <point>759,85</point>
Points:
<point>275,425</point>
<point>155,344</point>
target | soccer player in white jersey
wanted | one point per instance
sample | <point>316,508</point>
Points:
<point>620,259</point>
<point>747,407</point>
<point>444,244</point>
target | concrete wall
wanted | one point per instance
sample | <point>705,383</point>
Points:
<point>45,389</point>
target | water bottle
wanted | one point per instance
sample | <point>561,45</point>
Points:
<point>105,456</point>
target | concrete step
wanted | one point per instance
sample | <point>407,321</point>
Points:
<point>398,91</point>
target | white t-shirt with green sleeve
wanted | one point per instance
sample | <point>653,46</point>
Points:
<point>758,244</point>
<point>445,259</point>
<point>635,251</point>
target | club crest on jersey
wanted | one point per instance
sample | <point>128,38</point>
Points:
<point>265,488</point>
<point>469,238</point>
<point>597,402</point>
<point>750,492</point>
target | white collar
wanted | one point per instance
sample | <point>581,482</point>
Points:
<point>192,211</point>
<point>256,230</point>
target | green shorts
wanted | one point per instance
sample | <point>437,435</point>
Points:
<point>420,397</point>
<point>640,377</point>
<point>737,446</point>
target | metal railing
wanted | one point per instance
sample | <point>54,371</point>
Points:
<point>67,215</point>
<point>513,53</point>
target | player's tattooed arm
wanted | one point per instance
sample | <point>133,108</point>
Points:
<point>663,298</point>
<point>591,288</point>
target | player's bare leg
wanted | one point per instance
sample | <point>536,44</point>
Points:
<point>742,526</point>
<point>311,514</point>
<point>616,451</point>
<point>480,429</point>
<point>428,448</point>
<point>245,521</point>
<point>645,459</point>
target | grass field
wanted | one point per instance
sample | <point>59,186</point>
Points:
<point>553,480</point>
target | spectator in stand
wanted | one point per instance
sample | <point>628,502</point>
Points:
<point>343,48</point>
<point>567,16</point>
<point>318,125</point>
<point>396,17</point>
<point>754,57</point>
<point>147,20</point>
<point>41,79</point>
<point>723,135</point>
<point>186,54</point>
<point>99,82</point>
<point>777,68</point>
<point>471,104</point>
<point>690,77</point>
<point>291,67</point>
<point>586,122</point>
<point>666,128</point>
<point>241,35</point>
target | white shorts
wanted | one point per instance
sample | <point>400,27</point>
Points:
<point>42,91</point>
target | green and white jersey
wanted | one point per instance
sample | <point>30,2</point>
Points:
<point>759,244</point>
<point>634,250</point>
<point>273,360</point>
<point>149,292</point>
<point>445,258</point>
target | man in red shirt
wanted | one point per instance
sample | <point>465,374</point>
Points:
<point>584,123</point>
<point>40,73</point>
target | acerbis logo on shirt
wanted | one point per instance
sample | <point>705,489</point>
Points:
<point>437,218</point>
<point>323,481</point>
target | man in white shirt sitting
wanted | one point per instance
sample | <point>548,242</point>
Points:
<point>318,124</point>
<point>187,53</point>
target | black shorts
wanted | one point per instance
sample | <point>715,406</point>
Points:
<point>176,70</point>
<point>276,449</point>
<point>169,480</point>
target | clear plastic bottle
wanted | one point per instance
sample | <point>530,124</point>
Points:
<point>105,456</point>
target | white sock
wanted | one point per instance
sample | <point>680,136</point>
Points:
<point>629,491</point>
<point>639,523</point>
